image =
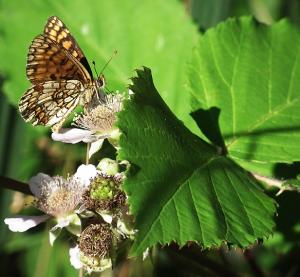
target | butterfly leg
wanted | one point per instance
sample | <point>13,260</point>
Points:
<point>56,127</point>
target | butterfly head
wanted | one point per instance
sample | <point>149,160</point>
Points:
<point>100,82</point>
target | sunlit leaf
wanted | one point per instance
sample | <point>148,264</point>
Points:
<point>180,189</point>
<point>250,72</point>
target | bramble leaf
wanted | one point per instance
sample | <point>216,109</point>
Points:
<point>180,189</point>
<point>250,71</point>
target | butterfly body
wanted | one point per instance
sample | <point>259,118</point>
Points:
<point>60,75</point>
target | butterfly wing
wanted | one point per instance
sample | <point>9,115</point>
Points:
<point>57,31</point>
<point>47,61</point>
<point>49,103</point>
<point>55,56</point>
<point>60,74</point>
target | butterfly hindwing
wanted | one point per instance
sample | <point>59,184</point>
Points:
<point>49,102</point>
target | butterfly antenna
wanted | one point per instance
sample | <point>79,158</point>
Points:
<point>94,64</point>
<point>107,89</point>
<point>114,53</point>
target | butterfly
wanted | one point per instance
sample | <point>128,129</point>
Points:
<point>60,75</point>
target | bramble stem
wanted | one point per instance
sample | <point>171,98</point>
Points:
<point>271,182</point>
<point>12,184</point>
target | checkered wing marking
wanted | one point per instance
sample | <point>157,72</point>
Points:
<point>47,61</point>
<point>50,103</point>
<point>55,55</point>
<point>57,31</point>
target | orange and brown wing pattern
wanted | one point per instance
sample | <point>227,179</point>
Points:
<point>49,103</point>
<point>55,56</point>
<point>60,74</point>
<point>57,31</point>
<point>47,61</point>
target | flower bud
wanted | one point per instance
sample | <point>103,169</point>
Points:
<point>108,166</point>
<point>105,195</point>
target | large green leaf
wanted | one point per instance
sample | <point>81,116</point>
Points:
<point>152,32</point>
<point>251,72</point>
<point>179,188</point>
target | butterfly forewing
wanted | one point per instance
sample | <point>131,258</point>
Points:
<point>47,61</point>
<point>56,30</point>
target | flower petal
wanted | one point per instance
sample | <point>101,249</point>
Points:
<point>85,173</point>
<point>23,223</point>
<point>95,147</point>
<point>54,233</point>
<point>74,135</point>
<point>63,221</point>
<point>36,183</point>
<point>74,253</point>
<point>106,217</point>
<point>74,225</point>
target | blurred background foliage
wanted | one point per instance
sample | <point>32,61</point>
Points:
<point>160,35</point>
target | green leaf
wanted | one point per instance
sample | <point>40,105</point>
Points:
<point>250,71</point>
<point>179,188</point>
<point>156,33</point>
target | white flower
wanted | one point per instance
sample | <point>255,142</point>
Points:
<point>94,125</point>
<point>59,199</point>
<point>57,196</point>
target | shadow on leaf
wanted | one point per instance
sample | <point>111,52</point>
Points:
<point>208,123</point>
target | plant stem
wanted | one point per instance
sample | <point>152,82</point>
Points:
<point>248,254</point>
<point>11,184</point>
<point>271,182</point>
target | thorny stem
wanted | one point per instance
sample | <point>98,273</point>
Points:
<point>11,184</point>
<point>271,182</point>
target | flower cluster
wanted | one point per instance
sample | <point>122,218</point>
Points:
<point>90,204</point>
